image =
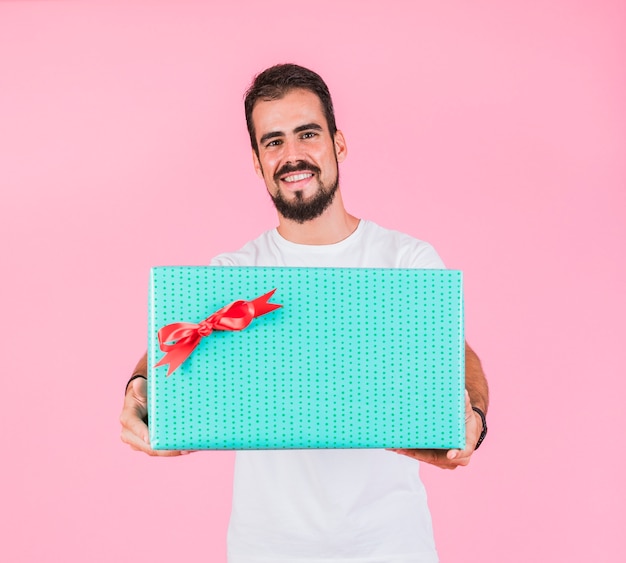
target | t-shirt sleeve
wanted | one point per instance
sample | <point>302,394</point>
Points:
<point>420,254</point>
<point>425,256</point>
<point>222,260</point>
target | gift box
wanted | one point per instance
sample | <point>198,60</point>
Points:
<point>352,358</point>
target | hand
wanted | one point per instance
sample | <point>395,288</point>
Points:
<point>134,413</point>
<point>451,459</point>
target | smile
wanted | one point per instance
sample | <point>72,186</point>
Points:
<point>297,177</point>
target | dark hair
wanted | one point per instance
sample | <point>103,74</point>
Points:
<point>276,82</point>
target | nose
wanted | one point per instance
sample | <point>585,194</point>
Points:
<point>292,151</point>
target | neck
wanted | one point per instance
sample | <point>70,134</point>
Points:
<point>332,226</point>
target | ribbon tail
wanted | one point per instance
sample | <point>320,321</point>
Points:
<point>261,305</point>
<point>176,356</point>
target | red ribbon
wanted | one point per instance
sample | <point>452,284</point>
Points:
<point>186,336</point>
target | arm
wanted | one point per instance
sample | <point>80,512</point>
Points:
<point>476,395</point>
<point>135,414</point>
<point>475,381</point>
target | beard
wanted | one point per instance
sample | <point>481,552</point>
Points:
<point>302,210</point>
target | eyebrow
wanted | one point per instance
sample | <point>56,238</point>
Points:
<point>299,129</point>
<point>307,127</point>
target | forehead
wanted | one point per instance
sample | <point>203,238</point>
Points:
<point>295,108</point>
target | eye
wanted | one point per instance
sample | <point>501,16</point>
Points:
<point>309,135</point>
<point>273,143</point>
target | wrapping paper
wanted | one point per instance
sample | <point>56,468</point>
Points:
<point>353,358</point>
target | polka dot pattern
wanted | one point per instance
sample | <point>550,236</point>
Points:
<point>355,358</point>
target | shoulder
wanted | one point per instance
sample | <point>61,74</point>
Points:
<point>248,254</point>
<point>410,252</point>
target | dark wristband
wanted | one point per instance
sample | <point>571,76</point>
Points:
<point>484,432</point>
<point>136,376</point>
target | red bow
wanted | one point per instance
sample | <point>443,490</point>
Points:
<point>186,336</point>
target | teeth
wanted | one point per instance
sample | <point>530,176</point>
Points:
<point>298,177</point>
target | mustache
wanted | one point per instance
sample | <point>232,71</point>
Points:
<point>299,166</point>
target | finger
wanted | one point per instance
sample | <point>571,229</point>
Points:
<point>134,413</point>
<point>135,434</point>
<point>134,430</point>
<point>434,457</point>
<point>447,459</point>
<point>134,441</point>
<point>139,445</point>
<point>136,426</point>
<point>438,458</point>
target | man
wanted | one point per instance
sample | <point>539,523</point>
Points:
<point>321,505</point>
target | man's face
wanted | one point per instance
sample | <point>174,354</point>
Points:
<point>297,157</point>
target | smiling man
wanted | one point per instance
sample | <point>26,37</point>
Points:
<point>309,506</point>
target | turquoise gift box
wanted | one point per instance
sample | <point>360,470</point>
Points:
<point>353,358</point>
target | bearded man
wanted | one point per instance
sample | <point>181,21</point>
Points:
<point>313,506</point>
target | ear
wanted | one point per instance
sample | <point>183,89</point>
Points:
<point>257,165</point>
<point>341,149</point>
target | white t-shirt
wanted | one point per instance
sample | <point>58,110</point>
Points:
<point>331,506</point>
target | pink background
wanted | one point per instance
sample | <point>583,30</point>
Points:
<point>495,130</point>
